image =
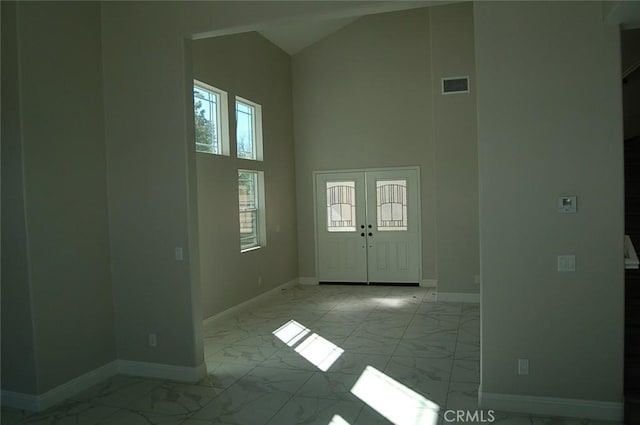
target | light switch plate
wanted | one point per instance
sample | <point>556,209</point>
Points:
<point>566,263</point>
<point>523,366</point>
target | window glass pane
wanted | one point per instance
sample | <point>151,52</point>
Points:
<point>245,134</point>
<point>341,206</point>
<point>248,229</point>
<point>391,205</point>
<point>248,197</point>
<point>205,109</point>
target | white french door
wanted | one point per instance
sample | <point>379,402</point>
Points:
<point>368,226</point>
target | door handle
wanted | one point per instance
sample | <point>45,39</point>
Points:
<point>362,226</point>
<point>369,226</point>
<point>362,234</point>
<point>370,234</point>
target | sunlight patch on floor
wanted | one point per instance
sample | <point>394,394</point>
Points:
<point>316,349</point>
<point>319,351</point>
<point>396,402</point>
<point>391,302</point>
<point>338,420</point>
<point>291,332</point>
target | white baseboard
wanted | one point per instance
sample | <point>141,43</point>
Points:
<point>75,386</point>
<point>162,371</point>
<point>61,392</point>
<point>308,281</point>
<point>457,297</point>
<point>19,401</point>
<point>429,283</point>
<point>69,389</point>
<point>246,305</point>
<point>576,408</point>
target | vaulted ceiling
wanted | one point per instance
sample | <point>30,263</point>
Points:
<point>295,36</point>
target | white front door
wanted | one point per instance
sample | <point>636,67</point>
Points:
<point>393,238</point>
<point>368,226</point>
<point>341,218</point>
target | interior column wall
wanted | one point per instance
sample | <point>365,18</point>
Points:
<point>65,226</point>
<point>18,350</point>
<point>456,152</point>
<point>549,121</point>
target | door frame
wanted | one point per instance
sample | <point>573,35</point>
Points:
<point>364,170</point>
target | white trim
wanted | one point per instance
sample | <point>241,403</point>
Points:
<point>162,371</point>
<point>20,401</point>
<point>261,227</point>
<point>76,385</point>
<point>222,116</point>
<point>253,248</point>
<point>458,297</point>
<point>429,283</point>
<point>630,256</point>
<point>308,280</point>
<point>576,408</point>
<point>257,127</point>
<point>61,392</point>
<point>363,170</point>
<point>409,168</point>
<point>246,305</point>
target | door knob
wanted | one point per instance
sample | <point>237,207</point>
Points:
<point>362,234</point>
<point>370,234</point>
<point>369,226</point>
<point>362,226</point>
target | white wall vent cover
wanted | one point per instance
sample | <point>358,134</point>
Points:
<point>455,85</point>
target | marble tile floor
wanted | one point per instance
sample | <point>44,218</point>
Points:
<point>395,347</point>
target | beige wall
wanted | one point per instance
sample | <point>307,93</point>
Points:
<point>18,351</point>
<point>137,53</point>
<point>151,163</point>
<point>62,141</point>
<point>549,120</point>
<point>455,150</point>
<point>362,100</point>
<point>369,96</point>
<point>249,66</point>
<point>542,133</point>
<point>630,48</point>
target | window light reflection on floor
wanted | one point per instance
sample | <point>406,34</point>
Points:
<point>393,400</point>
<point>391,302</point>
<point>338,420</point>
<point>319,351</point>
<point>291,332</point>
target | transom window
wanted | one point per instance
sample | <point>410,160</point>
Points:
<point>248,129</point>
<point>211,119</point>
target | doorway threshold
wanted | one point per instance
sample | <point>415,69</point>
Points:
<point>394,284</point>
<point>414,284</point>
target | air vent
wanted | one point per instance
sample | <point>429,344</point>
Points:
<point>455,85</point>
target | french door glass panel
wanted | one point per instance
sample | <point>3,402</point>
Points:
<point>391,205</point>
<point>341,206</point>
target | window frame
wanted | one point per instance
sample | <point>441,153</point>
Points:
<point>258,209</point>
<point>222,116</point>
<point>256,127</point>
